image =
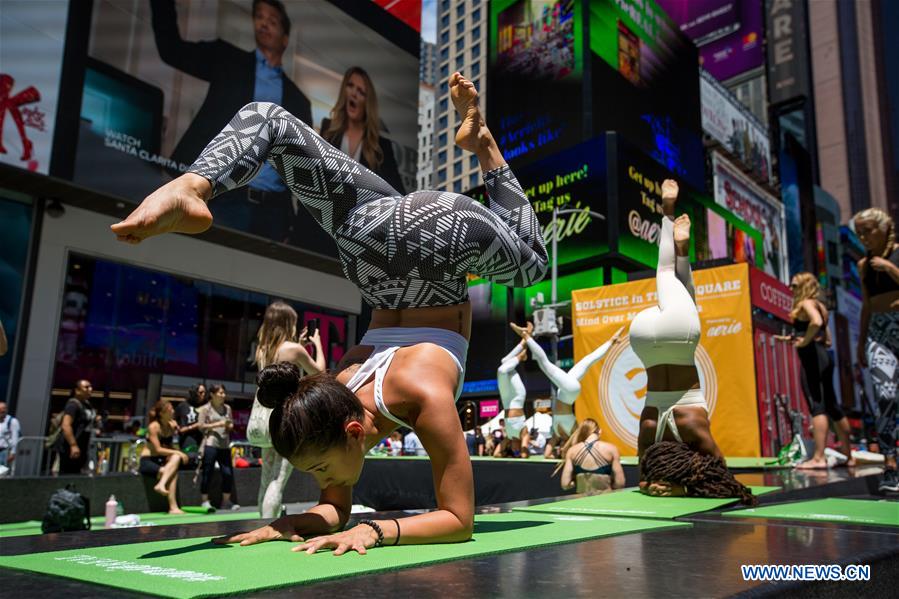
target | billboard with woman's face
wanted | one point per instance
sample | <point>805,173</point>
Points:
<point>163,77</point>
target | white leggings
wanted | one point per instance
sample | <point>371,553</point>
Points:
<point>512,391</point>
<point>568,383</point>
<point>275,473</point>
<point>669,332</point>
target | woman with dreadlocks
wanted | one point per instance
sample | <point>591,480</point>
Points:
<point>665,337</point>
<point>672,469</point>
<point>878,340</point>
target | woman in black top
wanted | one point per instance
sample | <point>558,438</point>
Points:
<point>878,342</point>
<point>812,338</point>
<point>355,127</point>
<point>159,458</point>
<point>190,437</point>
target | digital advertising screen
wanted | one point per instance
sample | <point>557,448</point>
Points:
<point>163,77</point>
<point>716,231</point>
<point>645,83</point>
<point>741,196</point>
<point>32,43</point>
<point>536,67</point>
<point>573,182</point>
<point>728,122</point>
<point>728,33</point>
<point>563,72</point>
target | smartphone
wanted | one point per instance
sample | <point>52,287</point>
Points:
<point>311,327</point>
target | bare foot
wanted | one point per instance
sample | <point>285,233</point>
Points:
<point>813,464</point>
<point>177,511</point>
<point>177,207</point>
<point>473,133</point>
<point>161,490</point>
<point>661,489</point>
<point>669,196</point>
<point>682,235</point>
<point>523,332</point>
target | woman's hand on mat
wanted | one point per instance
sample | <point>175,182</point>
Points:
<point>359,538</point>
<point>279,530</point>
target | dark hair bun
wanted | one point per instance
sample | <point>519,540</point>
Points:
<point>276,383</point>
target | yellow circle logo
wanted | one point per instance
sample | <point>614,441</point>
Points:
<point>622,389</point>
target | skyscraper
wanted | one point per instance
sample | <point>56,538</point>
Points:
<point>461,46</point>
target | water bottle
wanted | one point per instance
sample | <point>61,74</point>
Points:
<point>111,507</point>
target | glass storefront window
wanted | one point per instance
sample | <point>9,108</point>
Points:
<point>17,221</point>
<point>138,335</point>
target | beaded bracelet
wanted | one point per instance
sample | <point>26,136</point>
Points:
<point>377,529</point>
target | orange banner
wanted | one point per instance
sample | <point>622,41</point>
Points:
<point>614,390</point>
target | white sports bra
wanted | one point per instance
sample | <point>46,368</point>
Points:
<point>387,341</point>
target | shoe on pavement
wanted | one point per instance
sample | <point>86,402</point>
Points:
<point>889,482</point>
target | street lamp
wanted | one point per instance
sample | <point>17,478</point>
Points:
<point>546,324</point>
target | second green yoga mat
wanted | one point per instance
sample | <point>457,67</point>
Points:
<point>187,568</point>
<point>844,511</point>
<point>632,503</point>
<point>33,527</point>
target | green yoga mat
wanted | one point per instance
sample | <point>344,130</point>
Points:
<point>186,568</point>
<point>848,511</point>
<point>737,463</point>
<point>632,503</point>
<point>474,458</point>
<point>33,527</point>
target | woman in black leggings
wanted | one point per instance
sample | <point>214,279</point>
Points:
<point>812,339</point>
<point>216,423</point>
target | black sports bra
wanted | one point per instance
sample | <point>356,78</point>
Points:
<point>877,282</point>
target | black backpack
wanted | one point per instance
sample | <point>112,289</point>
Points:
<point>67,510</point>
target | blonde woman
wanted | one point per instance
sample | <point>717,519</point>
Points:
<point>878,341</point>
<point>355,127</point>
<point>593,466</point>
<point>275,343</point>
<point>812,338</point>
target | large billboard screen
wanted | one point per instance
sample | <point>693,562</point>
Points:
<point>565,71</point>
<point>727,32</point>
<point>717,232</point>
<point>645,84</point>
<point>162,78</point>
<point>741,196</point>
<point>536,76</point>
<point>730,124</point>
<point>32,42</point>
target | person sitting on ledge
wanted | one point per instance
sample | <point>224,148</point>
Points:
<point>159,458</point>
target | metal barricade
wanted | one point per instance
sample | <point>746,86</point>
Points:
<point>120,453</point>
<point>29,457</point>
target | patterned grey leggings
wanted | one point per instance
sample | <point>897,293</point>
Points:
<point>401,251</point>
<point>882,352</point>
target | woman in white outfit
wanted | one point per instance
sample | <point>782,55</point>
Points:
<point>568,384</point>
<point>665,337</point>
<point>275,344</point>
<point>678,455</point>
